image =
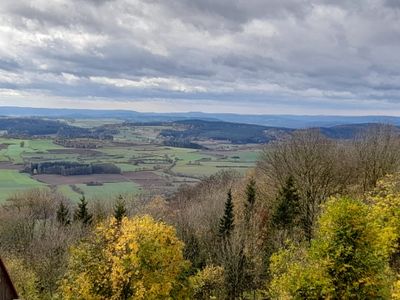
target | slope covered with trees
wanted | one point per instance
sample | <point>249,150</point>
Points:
<point>316,219</point>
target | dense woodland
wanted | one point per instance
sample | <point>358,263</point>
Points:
<point>217,130</point>
<point>67,168</point>
<point>318,218</point>
<point>29,126</point>
<point>17,127</point>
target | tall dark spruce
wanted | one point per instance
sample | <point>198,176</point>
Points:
<point>63,214</point>
<point>82,213</point>
<point>226,223</point>
<point>120,209</point>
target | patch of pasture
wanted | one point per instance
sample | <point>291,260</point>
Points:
<point>125,167</point>
<point>104,192</point>
<point>17,148</point>
<point>11,182</point>
<point>147,179</point>
<point>207,168</point>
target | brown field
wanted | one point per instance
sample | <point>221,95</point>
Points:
<point>79,179</point>
<point>143,178</point>
<point>10,166</point>
<point>86,152</point>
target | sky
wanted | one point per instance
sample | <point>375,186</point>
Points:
<point>240,56</point>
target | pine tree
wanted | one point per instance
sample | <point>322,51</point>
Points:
<point>63,215</point>
<point>250,199</point>
<point>226,224</point>
<point>119,209</point>
<point>287,211</point>
<point>81,213</point>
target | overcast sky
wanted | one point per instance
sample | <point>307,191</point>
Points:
<point>243,56</point>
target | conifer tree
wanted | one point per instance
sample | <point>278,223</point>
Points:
<point>119,209</point>
<point>287,211</point>
<point>82,213</point>
<point>63,215</point>
<point>226,224</point>
<point>250,199</point>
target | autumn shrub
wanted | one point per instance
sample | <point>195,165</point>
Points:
<point>208,283</point>
<point>344,261</point>
<point>24,279</point>
<point>136,258</point>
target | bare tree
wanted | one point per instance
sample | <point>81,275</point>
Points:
<point>317,164</point>
<point>29,231</point>
<point>376,153</point>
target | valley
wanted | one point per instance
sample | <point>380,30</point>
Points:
<point>146,165</point>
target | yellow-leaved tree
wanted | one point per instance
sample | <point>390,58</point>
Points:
<point>136,258</point>
<point>346,260</point>
<point>385,203</point>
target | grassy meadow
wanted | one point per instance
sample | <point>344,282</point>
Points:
<point>12,181</point>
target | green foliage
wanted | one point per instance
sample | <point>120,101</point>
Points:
<point>250,199</point>
<point>63,214</point>
<point>119,209</point>
<point>385,200</point>
<point>347,241</point>
<point>226,224</point>
<point>208,283</point>
<point>287,212</point>
<point>345,260</point>
<point>193,251</point>
<point>296,276</point>
<point>82,213</point>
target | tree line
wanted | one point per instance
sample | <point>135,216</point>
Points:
<point>71,168</point>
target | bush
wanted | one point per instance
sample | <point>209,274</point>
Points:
<point>344,261</point>
<point>133,259</point>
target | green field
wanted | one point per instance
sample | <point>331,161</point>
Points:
<point>11,181</point>
<point>105,192</point>
<point>17,149</point>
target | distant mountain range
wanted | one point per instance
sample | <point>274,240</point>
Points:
<point>287,121</point>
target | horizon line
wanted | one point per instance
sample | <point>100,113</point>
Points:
<point>194,112</point>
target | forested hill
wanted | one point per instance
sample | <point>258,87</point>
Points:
<point>40,127</point>
<point>236,133</point>
<point>288,121</point>
<point>239,133</point>
<point>176,132</point>
<point>30,126</point>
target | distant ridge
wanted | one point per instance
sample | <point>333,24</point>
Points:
<point>288,121</point>
<point>182,132</point>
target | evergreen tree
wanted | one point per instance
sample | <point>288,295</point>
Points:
<point>226,224</point>
<point>63,215</point>
<point>287,211</point>
<point>119,209</point>
<point>250,199</point>
<point>82,213</point>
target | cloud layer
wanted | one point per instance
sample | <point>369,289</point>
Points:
<point>257,56</point>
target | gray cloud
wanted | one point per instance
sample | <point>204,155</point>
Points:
<point>329,55</point>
